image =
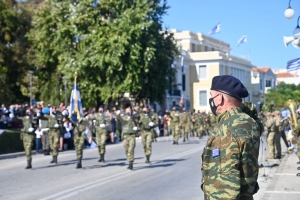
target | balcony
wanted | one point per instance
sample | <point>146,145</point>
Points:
<point>176,93</point>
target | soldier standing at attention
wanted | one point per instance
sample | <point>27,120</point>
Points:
<point>129,128</point>
<point>27,134</point>
<point>184,123</point>
<point>270,124</point>
<point>277,118</point>
<point>101,123</point>
<point>146,125</point>
<point>230,157</point>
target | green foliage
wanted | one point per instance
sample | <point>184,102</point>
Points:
<point>116,46</point>
<point>10,143</point>
<point>283,92</point>
<point>14,23</point>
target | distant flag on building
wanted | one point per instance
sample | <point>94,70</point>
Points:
<point>242,40</point>
<point>293,65</point>
<point>216,29</point>
<point>75,101</point>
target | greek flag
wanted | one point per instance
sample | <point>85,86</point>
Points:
<point>216,29</point>
<point>75,103</point>
<point>242,40</point>
<point>293,65</point>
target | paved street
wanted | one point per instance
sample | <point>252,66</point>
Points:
<point>173,174</point>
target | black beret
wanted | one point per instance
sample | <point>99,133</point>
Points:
<point>229,85</point>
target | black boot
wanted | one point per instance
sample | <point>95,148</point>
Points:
<point>183,139</point>
<point>298,174</point>
<point>298,162</point>
<point>28,164</point>
<point>298,168</point>
<point>174,142</point>
<point>45,152</point>
<point>100,159</point>
<point>147,159</point>
<point>130,166</point>
<point>48,152</point>
<point>53,159</point>
<point>78,164</point>
<point>177,142</point>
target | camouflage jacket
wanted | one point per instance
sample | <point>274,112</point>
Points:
<point>230,157</point>
<point>80,128</point>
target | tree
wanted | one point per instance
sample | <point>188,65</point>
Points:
<point>116,46</point>
<point>14,23</point>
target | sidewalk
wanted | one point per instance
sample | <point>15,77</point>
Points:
<point>277,177</point>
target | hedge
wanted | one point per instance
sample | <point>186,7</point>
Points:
<point>10,143</point>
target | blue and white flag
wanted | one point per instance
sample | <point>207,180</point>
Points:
<point>242,40</point>
<point>75,103</point>
<point>216,29</point>
<point>293,65</point>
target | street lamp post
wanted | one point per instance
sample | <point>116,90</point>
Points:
<point>30,80</point>
<point>65,79</point>
<point>289,12</point>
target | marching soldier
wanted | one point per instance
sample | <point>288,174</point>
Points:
<point>193,119</point>
<point>184,124</point>
<point>174,115</point>
<point>155,120</point>
<point>146,126</point>
<point>212,121</point>
<point>201,125</point>
<point>101,123</point>
<point>129,128</point>
<point>79,136</point>
<point>27,134</point>
<point>54,124</point>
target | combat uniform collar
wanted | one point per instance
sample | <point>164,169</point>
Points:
<point>225,115</point>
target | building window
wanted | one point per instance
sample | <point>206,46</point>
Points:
<point>203,98</point>
<point>202,72</point>
<point>261,84</point>
<point>183,82</point>
<point>193,48</point>
<point>222,70</point>
<point>268,83</point>
<point>205,48</point>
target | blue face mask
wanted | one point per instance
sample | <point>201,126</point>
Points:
<point>212,105</point>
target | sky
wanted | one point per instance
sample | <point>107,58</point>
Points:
<point>262,21</point>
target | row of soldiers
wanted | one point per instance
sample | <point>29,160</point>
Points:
<point>185,123</point>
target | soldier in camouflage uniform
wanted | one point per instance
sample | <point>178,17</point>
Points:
<point>230,157</point>
<point>212,121</point>
<point>146,127</point>
<point>184,124</point>
<point>129,127</point>
<point>28,135</point>
<point>155,120</point>
<point>201,125</point>
<point>175,120</point>
<point>193,125</point>
<point>101,122</point>
<point>79,136</point>
<point>54,133</point>
<point>271,126</point>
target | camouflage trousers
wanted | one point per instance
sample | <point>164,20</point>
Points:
<point>100,140</point>
<point>78,143</point>
<point>119,134</point>
<point>27,143</point>
<point>175,132</point>
<point>147,141</point>
<point>277,143</point>
<point>194,130</point>
<point>46,144</point>
<point>271,144</point>
<point>53,140</point>
<point>185,129</point>
<point>200,131</point>
<point>129,145</point>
